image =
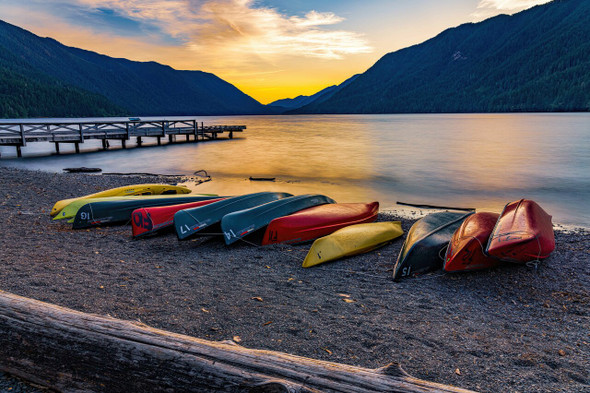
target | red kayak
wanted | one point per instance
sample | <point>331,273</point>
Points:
<point>523,233</point>
<point>151,219</point>
<point>466,248</point>
<point>318,221</point>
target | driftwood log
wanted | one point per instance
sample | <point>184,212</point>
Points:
<point>71,351</point>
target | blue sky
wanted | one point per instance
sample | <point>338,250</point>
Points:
<point>270,49</point>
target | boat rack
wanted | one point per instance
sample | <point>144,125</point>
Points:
<point>18,134</point>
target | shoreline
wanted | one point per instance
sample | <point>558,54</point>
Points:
<point>506,329</point>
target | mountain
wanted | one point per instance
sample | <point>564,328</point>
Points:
<point>536,60</point>
<point>320,96</point>
<point>41,77</point>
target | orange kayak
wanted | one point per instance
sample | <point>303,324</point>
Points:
<point>466,248</point>
<point>523,233</point>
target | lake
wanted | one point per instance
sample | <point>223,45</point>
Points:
<point>469,160</point>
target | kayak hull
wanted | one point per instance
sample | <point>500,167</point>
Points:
<point>467,246</point>
<point>425,243</point>
<point>239,224</point>
<point>147,220</point>
<point>352,240</point>
<point>314,222</point>
<point>134,189</point>
<point>523,233</point>
<point>191,222</point>
<point>116,212</point>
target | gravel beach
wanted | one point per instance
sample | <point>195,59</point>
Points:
<point>509,329</point>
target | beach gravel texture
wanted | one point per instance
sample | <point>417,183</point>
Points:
<point>509,329</point>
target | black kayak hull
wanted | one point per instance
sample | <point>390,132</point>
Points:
<point>423,248</point>
<point>190,222</point>
<point>116,212</point>
<point>245,222</point>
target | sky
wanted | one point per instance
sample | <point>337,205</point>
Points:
<point>269,49</point>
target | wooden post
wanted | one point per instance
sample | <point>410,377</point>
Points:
<point>139,141</point>
<point>19,153</point>
<point>81,134</point>
<point>104,144</point>
<point>159,140</point>
<point>23,141</point>
<point>124,143</point>
<point>72,351</point>
<point>170,138</point>
<point>57,148</point>
<point>77,146</point>
<point>195,131</point>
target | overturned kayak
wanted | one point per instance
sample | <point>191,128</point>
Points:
<point>523,233</point>
<point>352,240</point>
<point>114,212</point>
<point>134,189</point>
<point>148,220</point>
<point>189,222</point>
<point>314,222</point>
<point>425,243</point>
<point>245,222</point>
<point>466,249</point>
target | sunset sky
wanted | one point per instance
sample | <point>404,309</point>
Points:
<point>270,49</point>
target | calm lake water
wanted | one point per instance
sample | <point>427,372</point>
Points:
<point>469,160</point>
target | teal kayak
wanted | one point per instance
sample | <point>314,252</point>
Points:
<point>245,222</point>
<point>189,222</point>
<point>113,212</point>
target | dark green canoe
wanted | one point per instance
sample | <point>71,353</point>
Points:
<point>425,243</point>
<point>245,222</point>
<point>113,212</point>
<point>189,222</point>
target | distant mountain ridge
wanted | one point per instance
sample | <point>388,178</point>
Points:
<point>536,60</point>
<point>91,84</point>
<point>320,96</point>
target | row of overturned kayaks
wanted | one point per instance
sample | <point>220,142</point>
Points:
<point>456,242</point>
<point>451,240</point>
<point>339,229</point>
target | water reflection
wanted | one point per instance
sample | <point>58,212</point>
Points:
<point>481,160</point>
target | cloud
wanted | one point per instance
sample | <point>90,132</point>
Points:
<point>233,26</point>
<point>488,8</point>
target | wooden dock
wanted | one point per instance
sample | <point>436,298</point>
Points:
<point>77,131</point>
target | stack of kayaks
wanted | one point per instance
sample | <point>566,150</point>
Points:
<point>134,189</point>
<point>522,233</point>
<point>119,211</point>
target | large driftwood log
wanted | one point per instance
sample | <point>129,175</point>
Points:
<point>73,351</point>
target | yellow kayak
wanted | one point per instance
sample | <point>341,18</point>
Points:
<point>134,189</point>
<point>352,240</point>
<point>69,212</point>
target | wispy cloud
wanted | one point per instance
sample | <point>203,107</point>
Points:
<point>235,26</point>
<point>487,8</point>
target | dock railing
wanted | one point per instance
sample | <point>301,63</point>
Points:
<point>19,133</point>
